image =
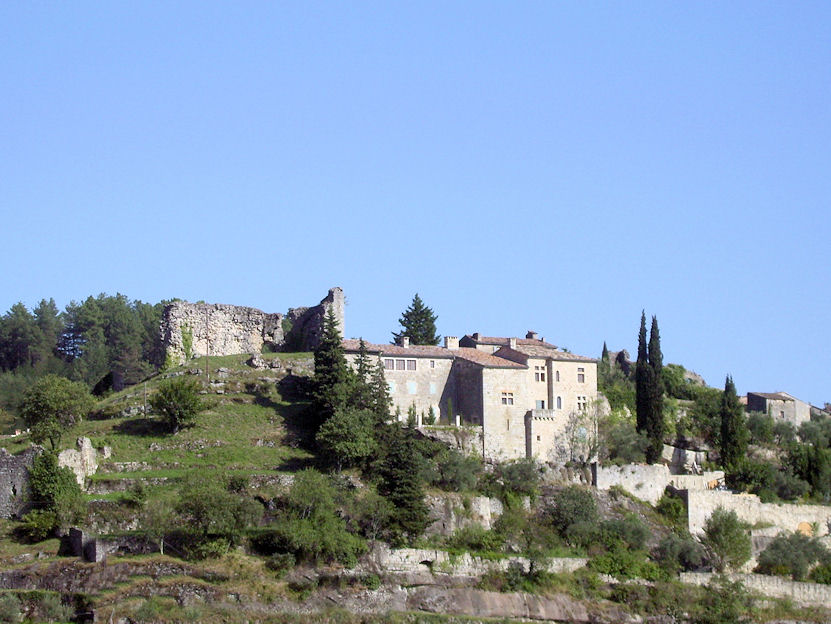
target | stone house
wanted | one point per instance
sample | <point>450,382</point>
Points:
<point>522,394</point>
<point>779,405</point>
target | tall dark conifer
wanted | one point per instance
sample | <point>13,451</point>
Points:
<point>734,432</point>
<point>643,375</point>
<point>334,381</point>
<point>418,323</point>
<point>655,419</point>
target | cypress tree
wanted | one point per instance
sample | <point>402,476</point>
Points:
<point>655,418</point>
<point>643,373</point>
<point>418,323</point>
<point>734,432</point>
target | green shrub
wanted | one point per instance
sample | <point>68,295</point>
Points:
<point>371,581</point>
<point>38,525</point>
<point>10,608</point>
<point>792,555</point>
<point>727,538</point>
<point>280,562</point>
<point>821,574</point>
<point>177,402</point>
<point>676,552</point>
<point>623,563</point>
<point>571,505</point>
<point>628,530</point>
<point>50,608</point>
<point>457,472</point>
<point>724,602</point>
<point>56,490</point>
<point>673,509</point>
<point>474,539</point>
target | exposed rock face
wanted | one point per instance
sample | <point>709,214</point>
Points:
<point>14,481</point>
<point>83,460</point>
<point>451,512</point>
<point>196,329</point>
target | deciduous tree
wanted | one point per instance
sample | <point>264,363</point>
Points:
<point>177,402</point>
<point>54,404</point>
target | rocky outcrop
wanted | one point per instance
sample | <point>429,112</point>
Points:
<point>451,512</point>
<point>14,481</point>
<point>82,460</point>
<point>195,329</point>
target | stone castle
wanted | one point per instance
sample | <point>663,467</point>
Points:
<point>191,330</point>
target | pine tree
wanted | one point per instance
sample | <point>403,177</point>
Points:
<point>401,485</point>
<point>333,382</point>
<point>418,323</point>
<point>381,401</point>
<point>362,398</point>
<point>655,418</point>
<point>734,432</point>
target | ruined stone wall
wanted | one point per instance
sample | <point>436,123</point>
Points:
<point>82,460</point>
<point>196,329</point>
<point>648,482</point>
<point>805,594</point>
<point>751,509</point>
<point>14,481</point>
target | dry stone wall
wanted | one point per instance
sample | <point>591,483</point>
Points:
<point>14,481</point>
<point>805,594</point>
<point>648,482</point>
<point>196,329</point>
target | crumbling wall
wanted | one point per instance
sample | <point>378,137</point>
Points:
<point>750,509</point>
<point>82,460</point>
<point>14,481</point>
<point>195,329</point>
<point>648,482</point>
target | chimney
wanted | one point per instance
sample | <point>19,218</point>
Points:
<point>512,343</point>
<point>451,342</point>
<point>532,335</point>
<point>476,336</point>
<point>405,342</point>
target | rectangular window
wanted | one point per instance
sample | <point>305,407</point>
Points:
<point>432,363</point>
<point>582,403</point>
<point>432,387</point>
<point>507,398</point>
<point>389,364</point>
<point>411,364</point>
<point>581,375</point>
<point>540,404</point>
<point>539,373</point>
<point>559,402</point>
<point>391,384</point>
<point>399,364</point>
<point>411,387</point>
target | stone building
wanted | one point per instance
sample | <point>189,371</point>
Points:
<point>522,394</point>
<point>779,405</point>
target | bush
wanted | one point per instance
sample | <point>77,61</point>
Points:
<point>673,509</point>
<point>55,490</point>
<point>280,562</point>
<point>38,525</point>
<point>10,609</point>
<point>821,574</point>
<point>623,563</point>
<point>177,402</point>
<point>791,555</point>
<point>727,538</point>
<point>571,505</point>
<point>724,602</point>
<point>628,530</point>
<point>676,553</point>
<point>474,538</point>
<point>457,472</point>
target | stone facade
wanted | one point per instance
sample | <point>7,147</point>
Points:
<point>14,481</point>
<point>779,405</point>
<point>523,395</point>
<point>196,329</point>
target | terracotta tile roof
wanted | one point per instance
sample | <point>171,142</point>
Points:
<point>550,352</point>
<point>425,351</point>
<point>775,396</point>
<point>422,351</point>
<point>498,341</point>
<point>484,359</point>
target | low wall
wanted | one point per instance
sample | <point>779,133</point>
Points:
<point>748,507</point>
<point>805,594</point>
<point>648,482</point>
<point>420,560</point>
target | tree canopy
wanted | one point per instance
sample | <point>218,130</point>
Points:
<point>418,323</point>
<point>52,405</point>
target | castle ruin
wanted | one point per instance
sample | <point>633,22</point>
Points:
<point>190,330</point>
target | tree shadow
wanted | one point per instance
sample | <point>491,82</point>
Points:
<point>299,431</point>
<point>140,427</point>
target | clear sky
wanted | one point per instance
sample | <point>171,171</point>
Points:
<point>555,166</point>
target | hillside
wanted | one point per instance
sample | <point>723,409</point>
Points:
<point>252,442</point>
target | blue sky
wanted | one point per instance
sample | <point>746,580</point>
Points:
<point>547,166</point>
